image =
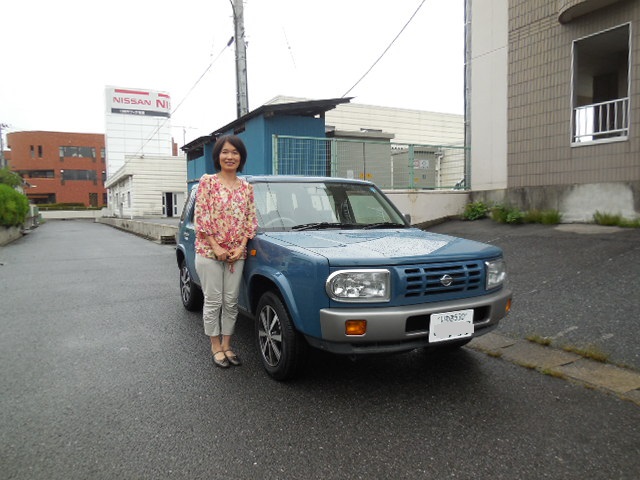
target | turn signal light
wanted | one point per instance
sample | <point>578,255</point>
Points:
<point>355,327</point>
<point>507,309</point>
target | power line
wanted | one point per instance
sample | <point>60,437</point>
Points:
<point>385,50</point>
<point>229,43</point>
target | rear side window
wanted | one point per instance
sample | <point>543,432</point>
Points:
<point>187,211</point>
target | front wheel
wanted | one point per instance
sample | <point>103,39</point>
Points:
<point>283,350</point>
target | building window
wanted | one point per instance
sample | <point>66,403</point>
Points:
<point>36,173</point>
<point>79,175</point>
<point>93,199</point>
<point>39,151</point>
<point>84,152</point>
<point>31,151</point>
<point>601,86</point>
<point>103,154</point>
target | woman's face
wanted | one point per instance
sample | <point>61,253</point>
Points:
<point>229,158</point>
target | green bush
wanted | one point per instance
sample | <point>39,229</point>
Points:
<point>507,214</point>
<point>607,219</point>
<point>7,177</point>
<point>546,217</point>
<point>14,206</point>
<point>614,220</point>
<point>475,211</point>
<point>62,206</point>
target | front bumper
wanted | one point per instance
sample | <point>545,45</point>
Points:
<point>398,329</point>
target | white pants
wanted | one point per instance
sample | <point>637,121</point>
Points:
<point>220,287</point>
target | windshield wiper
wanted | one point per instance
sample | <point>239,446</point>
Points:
<point>321,225</point>
<point>383,225</point>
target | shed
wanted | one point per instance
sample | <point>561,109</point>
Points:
<point>256,129</point>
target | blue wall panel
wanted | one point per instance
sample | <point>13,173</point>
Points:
<point>257,136</point>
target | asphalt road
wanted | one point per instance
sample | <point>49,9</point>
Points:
<point>106,376</point>
<point>578,285</point>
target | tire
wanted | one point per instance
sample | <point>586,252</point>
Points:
<point>283,350</point>
<point>191,294</point>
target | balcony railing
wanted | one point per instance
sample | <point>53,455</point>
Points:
<point>601,121</point>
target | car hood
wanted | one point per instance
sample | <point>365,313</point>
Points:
<point>382,247</point>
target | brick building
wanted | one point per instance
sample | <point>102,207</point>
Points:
<point>60,167</point>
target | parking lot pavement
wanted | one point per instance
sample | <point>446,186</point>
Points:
<point>619,381</point>
<point>575,300</point>
<point>575,295</point>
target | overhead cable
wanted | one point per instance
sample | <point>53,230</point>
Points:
<point>385,50</point>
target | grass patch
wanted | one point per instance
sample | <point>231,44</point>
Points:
<point>529,366</point>
<point>591,352</point>
<point>545,217</point>
<point>475,211</point>
<point>540,340</point>
<point>553,373</point>
<point>507,214</point>
<point>614,220</point>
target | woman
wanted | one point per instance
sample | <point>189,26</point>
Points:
<point>225,220</point>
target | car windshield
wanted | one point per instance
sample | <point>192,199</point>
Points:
<point>323,205</point>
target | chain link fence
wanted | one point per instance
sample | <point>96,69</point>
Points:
<point>389,165</point>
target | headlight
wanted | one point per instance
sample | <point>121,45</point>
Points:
<point>359,286</point>
<point>496,273</point>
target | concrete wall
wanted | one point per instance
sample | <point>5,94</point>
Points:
<point>70,214</point>
<point>9,234</point>
<point>159,232</point>
<point>576,203</point>
<point>428,206</point>
<point>488,93</point>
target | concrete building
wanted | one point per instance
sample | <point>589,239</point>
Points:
<point>145,177</point>
<point>406,125</point>
<point>60,167</point>
<point>553,93</point>
<point>137,122</point>
<point>148,187</point>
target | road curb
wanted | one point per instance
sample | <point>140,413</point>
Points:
<point>622,382</point>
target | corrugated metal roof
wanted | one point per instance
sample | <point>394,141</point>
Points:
<point>308,108</point>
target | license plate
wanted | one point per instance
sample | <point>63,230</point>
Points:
<point>450,325</point>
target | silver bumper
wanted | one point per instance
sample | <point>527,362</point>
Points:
<point>402,328</point>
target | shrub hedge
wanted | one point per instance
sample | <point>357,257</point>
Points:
<point>14,206</point>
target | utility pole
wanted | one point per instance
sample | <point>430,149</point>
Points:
<point>2,161</point>
<point>242,95</point>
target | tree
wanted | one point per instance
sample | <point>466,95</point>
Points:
<point>7,177</point>
<point>14,205</point>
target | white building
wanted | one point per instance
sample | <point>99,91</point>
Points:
<point>406,125</point>
<point>137,122</point>
<point>148,187</point>
<point>143,178</point>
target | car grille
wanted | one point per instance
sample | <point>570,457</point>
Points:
<point>427,280</point>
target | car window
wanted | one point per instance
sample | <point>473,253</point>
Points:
<point>288,205</point>
<point>187,210</point>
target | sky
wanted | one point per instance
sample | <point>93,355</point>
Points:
<point>58,57</point>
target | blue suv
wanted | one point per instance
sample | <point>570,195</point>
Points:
<point>336,266</point>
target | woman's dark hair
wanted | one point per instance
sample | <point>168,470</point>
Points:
<point>236,142</point>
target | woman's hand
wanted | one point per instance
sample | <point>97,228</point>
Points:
<point>221,254</point>
<point>235,254</point>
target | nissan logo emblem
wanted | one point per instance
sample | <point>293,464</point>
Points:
<point>446,280</point>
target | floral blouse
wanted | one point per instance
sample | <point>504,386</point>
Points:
<point>228,215</point>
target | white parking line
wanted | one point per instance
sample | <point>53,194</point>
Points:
<point>563,332</point>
